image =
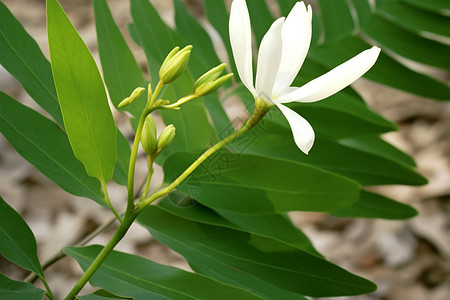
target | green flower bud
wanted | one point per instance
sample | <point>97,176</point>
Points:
<point>211,75</point>
<point>166,138</point>
<point>209,82</point>
<point>148,137</point>
<point>174,64</point>
<point>134,95</point>
<point>209,87</point>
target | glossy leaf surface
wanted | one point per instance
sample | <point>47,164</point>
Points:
<point>134,276</point>
<point>13,290</point>
<point>260,264</point>
<point>44,145</point>
<point>87,118</point>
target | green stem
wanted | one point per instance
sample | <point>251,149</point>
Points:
<point>135,148</point>
<point>118,235</point>
<point>49,291</point>
<point>111,207</point>
<point>258,114</point>
<point>150,160</point>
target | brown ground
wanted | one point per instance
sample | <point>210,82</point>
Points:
<point>407,259</point>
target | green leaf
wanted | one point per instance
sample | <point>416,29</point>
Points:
<point>21,56</point>
<point>87,118</point>
<point>102,295</point>
<point>120,174</point>
<point>386,71</point>
<point>13,290</point>
<point>18,243</point>
<point>202,59</point>
<point>191,122</point>
<point>400,41</point>
<point>120,69</point>
<point>440,6</point>
<point>275,226</point>
<point>216,12</point>
<point>286,6</point>
<point>337,18</point>
<point>342,116</point>
<point>369,167</point>
<point>415,19</point>
<point>236,183</point>
<point>264,266</point>
<point>372,205</point>
<point>261,18</point>
<point>134,276</point>
<point>44,145</point>
<point>375,145</point>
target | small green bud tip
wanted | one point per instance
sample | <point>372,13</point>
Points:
<point>134,95</point>
<point>166,138</point>
<point>211,86</point>
<point>210,75</point>
<point>174,64</point>
<point>148,138</point>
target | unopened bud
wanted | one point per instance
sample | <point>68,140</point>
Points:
<point>166,138</point>
<point>174,64</point>
<point>209,82</point>
<point>212,86</point>
<point>148,138</point>
<point>134,95</point>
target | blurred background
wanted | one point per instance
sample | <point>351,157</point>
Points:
<point>407,259</point>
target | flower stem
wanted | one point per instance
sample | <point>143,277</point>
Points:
<point>108,202</point>
<point>257,115</point>
<point>135,148</point>
<point>118,235</point>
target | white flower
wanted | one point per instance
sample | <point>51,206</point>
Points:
<point>282,52</point>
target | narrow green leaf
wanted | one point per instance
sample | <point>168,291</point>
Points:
<point>202,59</point>
<point>155,36</point>
<point>134,276</point>
<point>261,18</point>
<point>367,167</point>
<point>260,264</point>
<point>386,71</point>
<point>375,145</point>
<point>13,290</point>
<point>217,14</point>
<point>400,40</point>
<point>232,182</point>
<point>21,56</point>
<point>44,145</point>
<point>286,6</point>
<point>120,69</point>
<point>440,6</point>
<point>18,243</point>
<point>372,205</point>
<point>103,295</point>
<point>191,122</point>
<point>337,18</point>
<point>120,174</point>
<point>195,34</point>
<point>416,19</point>
<point>87,118</point>
<point>275,226</point>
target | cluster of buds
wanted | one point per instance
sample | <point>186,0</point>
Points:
<point>173,66</point>
<point>152,144</point>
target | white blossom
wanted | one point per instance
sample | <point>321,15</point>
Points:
<point>281,54</point>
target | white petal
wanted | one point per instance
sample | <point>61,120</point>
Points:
<point>269,57</point>
<point>296,38</point>
<point>241,42</point>
<point>335,80</point>
<point>301,129</point>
